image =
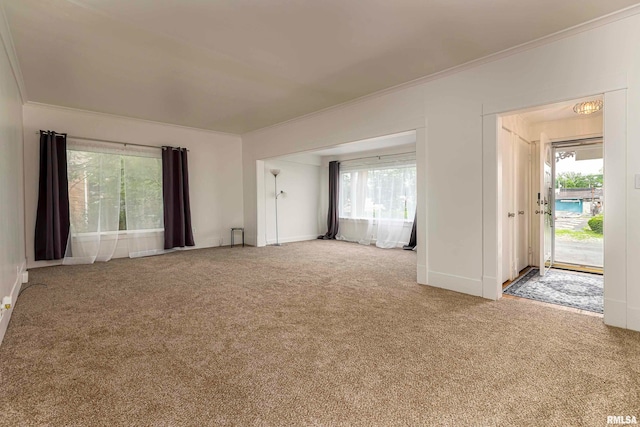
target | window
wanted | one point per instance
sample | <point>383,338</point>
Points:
<point>380,191</point>
<point>111,191</point>
<point>142,193</point>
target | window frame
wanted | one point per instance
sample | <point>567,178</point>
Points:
<point>406,163</point>
<point>102,148</point>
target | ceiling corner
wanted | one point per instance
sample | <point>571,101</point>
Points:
<point>9,48</point>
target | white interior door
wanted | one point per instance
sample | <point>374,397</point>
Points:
<point>508,234</point>
<point>545,198</point>
<point>522,197</point>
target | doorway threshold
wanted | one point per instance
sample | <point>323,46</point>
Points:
<point>553,306</point>
<point>579,268</point>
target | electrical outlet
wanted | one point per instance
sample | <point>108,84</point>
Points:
<point>5,306</point>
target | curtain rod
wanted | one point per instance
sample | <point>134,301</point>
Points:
<point>107,141</point>
<point>377,157</point>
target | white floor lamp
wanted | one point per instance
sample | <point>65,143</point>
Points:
<point>275,173</point>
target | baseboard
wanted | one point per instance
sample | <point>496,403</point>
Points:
<point>422,274</point>
<point>490,288</point>
<point>455,283</point>
<point>209,242</point>
<point>15,290</point>
<point>615,313</point>
<point>633,318</point>
<point>293,239</point>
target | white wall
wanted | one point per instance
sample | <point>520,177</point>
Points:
<point>516,124</point>
<point>450,109</point>
<point>12,261</point>
<point>558,130</point>
<point>298,208</point>
<point>215,167</point>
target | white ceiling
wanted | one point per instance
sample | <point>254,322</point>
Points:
<point>378,144</point>
<point>371,144</point>
<point>239,65</point>
<point>559,111</point>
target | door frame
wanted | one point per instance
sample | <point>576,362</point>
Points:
<point>615,240</point>
<point>560,144</point>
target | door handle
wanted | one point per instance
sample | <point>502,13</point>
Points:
<point>511,214</point>
<point>520,212</point>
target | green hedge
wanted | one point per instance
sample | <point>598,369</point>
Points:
<point>595,223</point>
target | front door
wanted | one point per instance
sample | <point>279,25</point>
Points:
<point>545,207</point>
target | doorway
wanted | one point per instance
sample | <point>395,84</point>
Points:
<point>552,202</point>
<point>578,235</point>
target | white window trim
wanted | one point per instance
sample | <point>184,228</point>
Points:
<point>120,235</point>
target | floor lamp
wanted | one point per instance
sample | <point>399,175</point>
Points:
<point>275,173</point>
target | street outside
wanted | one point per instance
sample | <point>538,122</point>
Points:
<point>573,247</point>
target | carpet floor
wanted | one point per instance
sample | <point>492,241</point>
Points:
<point>583,291</point>
<point>310,333</point>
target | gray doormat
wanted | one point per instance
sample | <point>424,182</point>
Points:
<point>577,290</point>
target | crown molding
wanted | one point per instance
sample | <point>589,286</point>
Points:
<point>133,119</point>
<point>544,40</point>
<point>9,48</point>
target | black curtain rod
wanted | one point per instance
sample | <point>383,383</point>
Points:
<point>108,141</point>
<point>377,157</point>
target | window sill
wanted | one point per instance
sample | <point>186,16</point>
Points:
<point>119,234</point>
<point>405,221</point>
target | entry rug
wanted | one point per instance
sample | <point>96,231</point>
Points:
<point>577,290</point>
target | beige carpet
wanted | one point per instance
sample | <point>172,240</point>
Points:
<point>312,333</point>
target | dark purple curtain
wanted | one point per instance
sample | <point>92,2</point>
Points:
<point>334,195</point>
<point>52,216</point>
<point>413,241</point>
<point>175,194</point>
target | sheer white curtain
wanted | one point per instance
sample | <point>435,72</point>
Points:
<point>396,195</point>
<point>377,202</point>
<point>94,204</point>
<point>142,171</point>
<point>115,193</point>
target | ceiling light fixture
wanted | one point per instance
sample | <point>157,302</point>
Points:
<point>588,107</point>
